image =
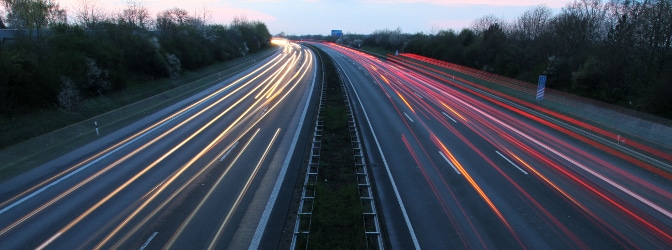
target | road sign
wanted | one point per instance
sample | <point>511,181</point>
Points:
<point>541,87</point>
<point>336,32</point>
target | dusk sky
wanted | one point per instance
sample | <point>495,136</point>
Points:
<point>298,17</point>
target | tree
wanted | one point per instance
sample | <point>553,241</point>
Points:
<point>69,97</point>
<point>2,17</point>
<point>484,23</point>
<point>388,39</point>
<point>533,23</point>
<point>580,25</point>
<point>170,20</point>
<point>135,15</point>
<point>493,48</point>
<point>34,15</point>
<point>89,14</point>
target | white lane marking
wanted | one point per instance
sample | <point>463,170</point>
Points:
<point>183,112</point>
<point>569,159</point>
<point>229,151</point>
<point>242,193</point>
<point>444,113</point>
<point>416,93</point>
<point>46,243</point>
<point>409,118</point>
<point>33,194</point>
<point>507,159</point>
<point>263,221</point>
<point>451,164</point>
<point>387,167</point>
<point>148,241</point>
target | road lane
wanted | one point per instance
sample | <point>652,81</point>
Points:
<point>153,180</point>
<point>573,194</point>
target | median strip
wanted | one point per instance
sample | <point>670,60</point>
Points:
<point>336,218</point>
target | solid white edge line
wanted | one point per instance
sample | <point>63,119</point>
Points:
<point>387,168</point>
<point>450,163</point>
<point>507,159</point>
<point>261,227</point>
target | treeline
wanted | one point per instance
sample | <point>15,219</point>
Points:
<point>48,62</point>
<point>618,51</point>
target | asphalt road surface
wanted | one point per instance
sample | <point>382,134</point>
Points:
<point>456,170</point>
<point>208,172</point>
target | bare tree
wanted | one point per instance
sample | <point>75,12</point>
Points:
<point>203,17</point>
<point>533,23</point>
<point>587,17</point>
<point>136,15</point>
<point>89,14</point>
<point>168,20</point>
<point>484,23</point>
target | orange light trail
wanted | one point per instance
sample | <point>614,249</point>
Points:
<point>123,186</point>
<point>471,181</point>
<point>173,195</point>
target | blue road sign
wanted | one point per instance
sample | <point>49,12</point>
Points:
<point>541,87</point>
<point>336,32</point>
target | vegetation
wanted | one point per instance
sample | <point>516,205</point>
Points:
<point>50,63</point>
<point>337,216</point>
<point>618,51</point>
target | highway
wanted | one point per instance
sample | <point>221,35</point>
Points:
<point>212,171</point>
<point>459,169</point>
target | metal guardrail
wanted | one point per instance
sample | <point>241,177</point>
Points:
<point>305,212</point>
<point>374,238</point>
<point>660,163</point>
<point>370,218</point>
<point>649,129</point>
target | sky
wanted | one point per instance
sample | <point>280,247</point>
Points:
<point>301,17</point>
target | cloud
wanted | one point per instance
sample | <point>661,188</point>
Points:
<point>224,15</point>
<point>549,3</point>
<point>218,12</point>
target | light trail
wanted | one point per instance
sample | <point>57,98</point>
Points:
<point>498,136</point>
<point>471,181</point>
<point>85,214</point>
<point>134,152</point>
<point>233,209</point>
<point>166,201</point>
<point>64,174</point>
<point>191,215</point>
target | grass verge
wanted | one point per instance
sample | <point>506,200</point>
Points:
<point>31,139</point>
<point>337,215</point>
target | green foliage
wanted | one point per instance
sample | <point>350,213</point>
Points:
<point>614,51</point>
<point>116,53</point>
<point>337,221</point>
